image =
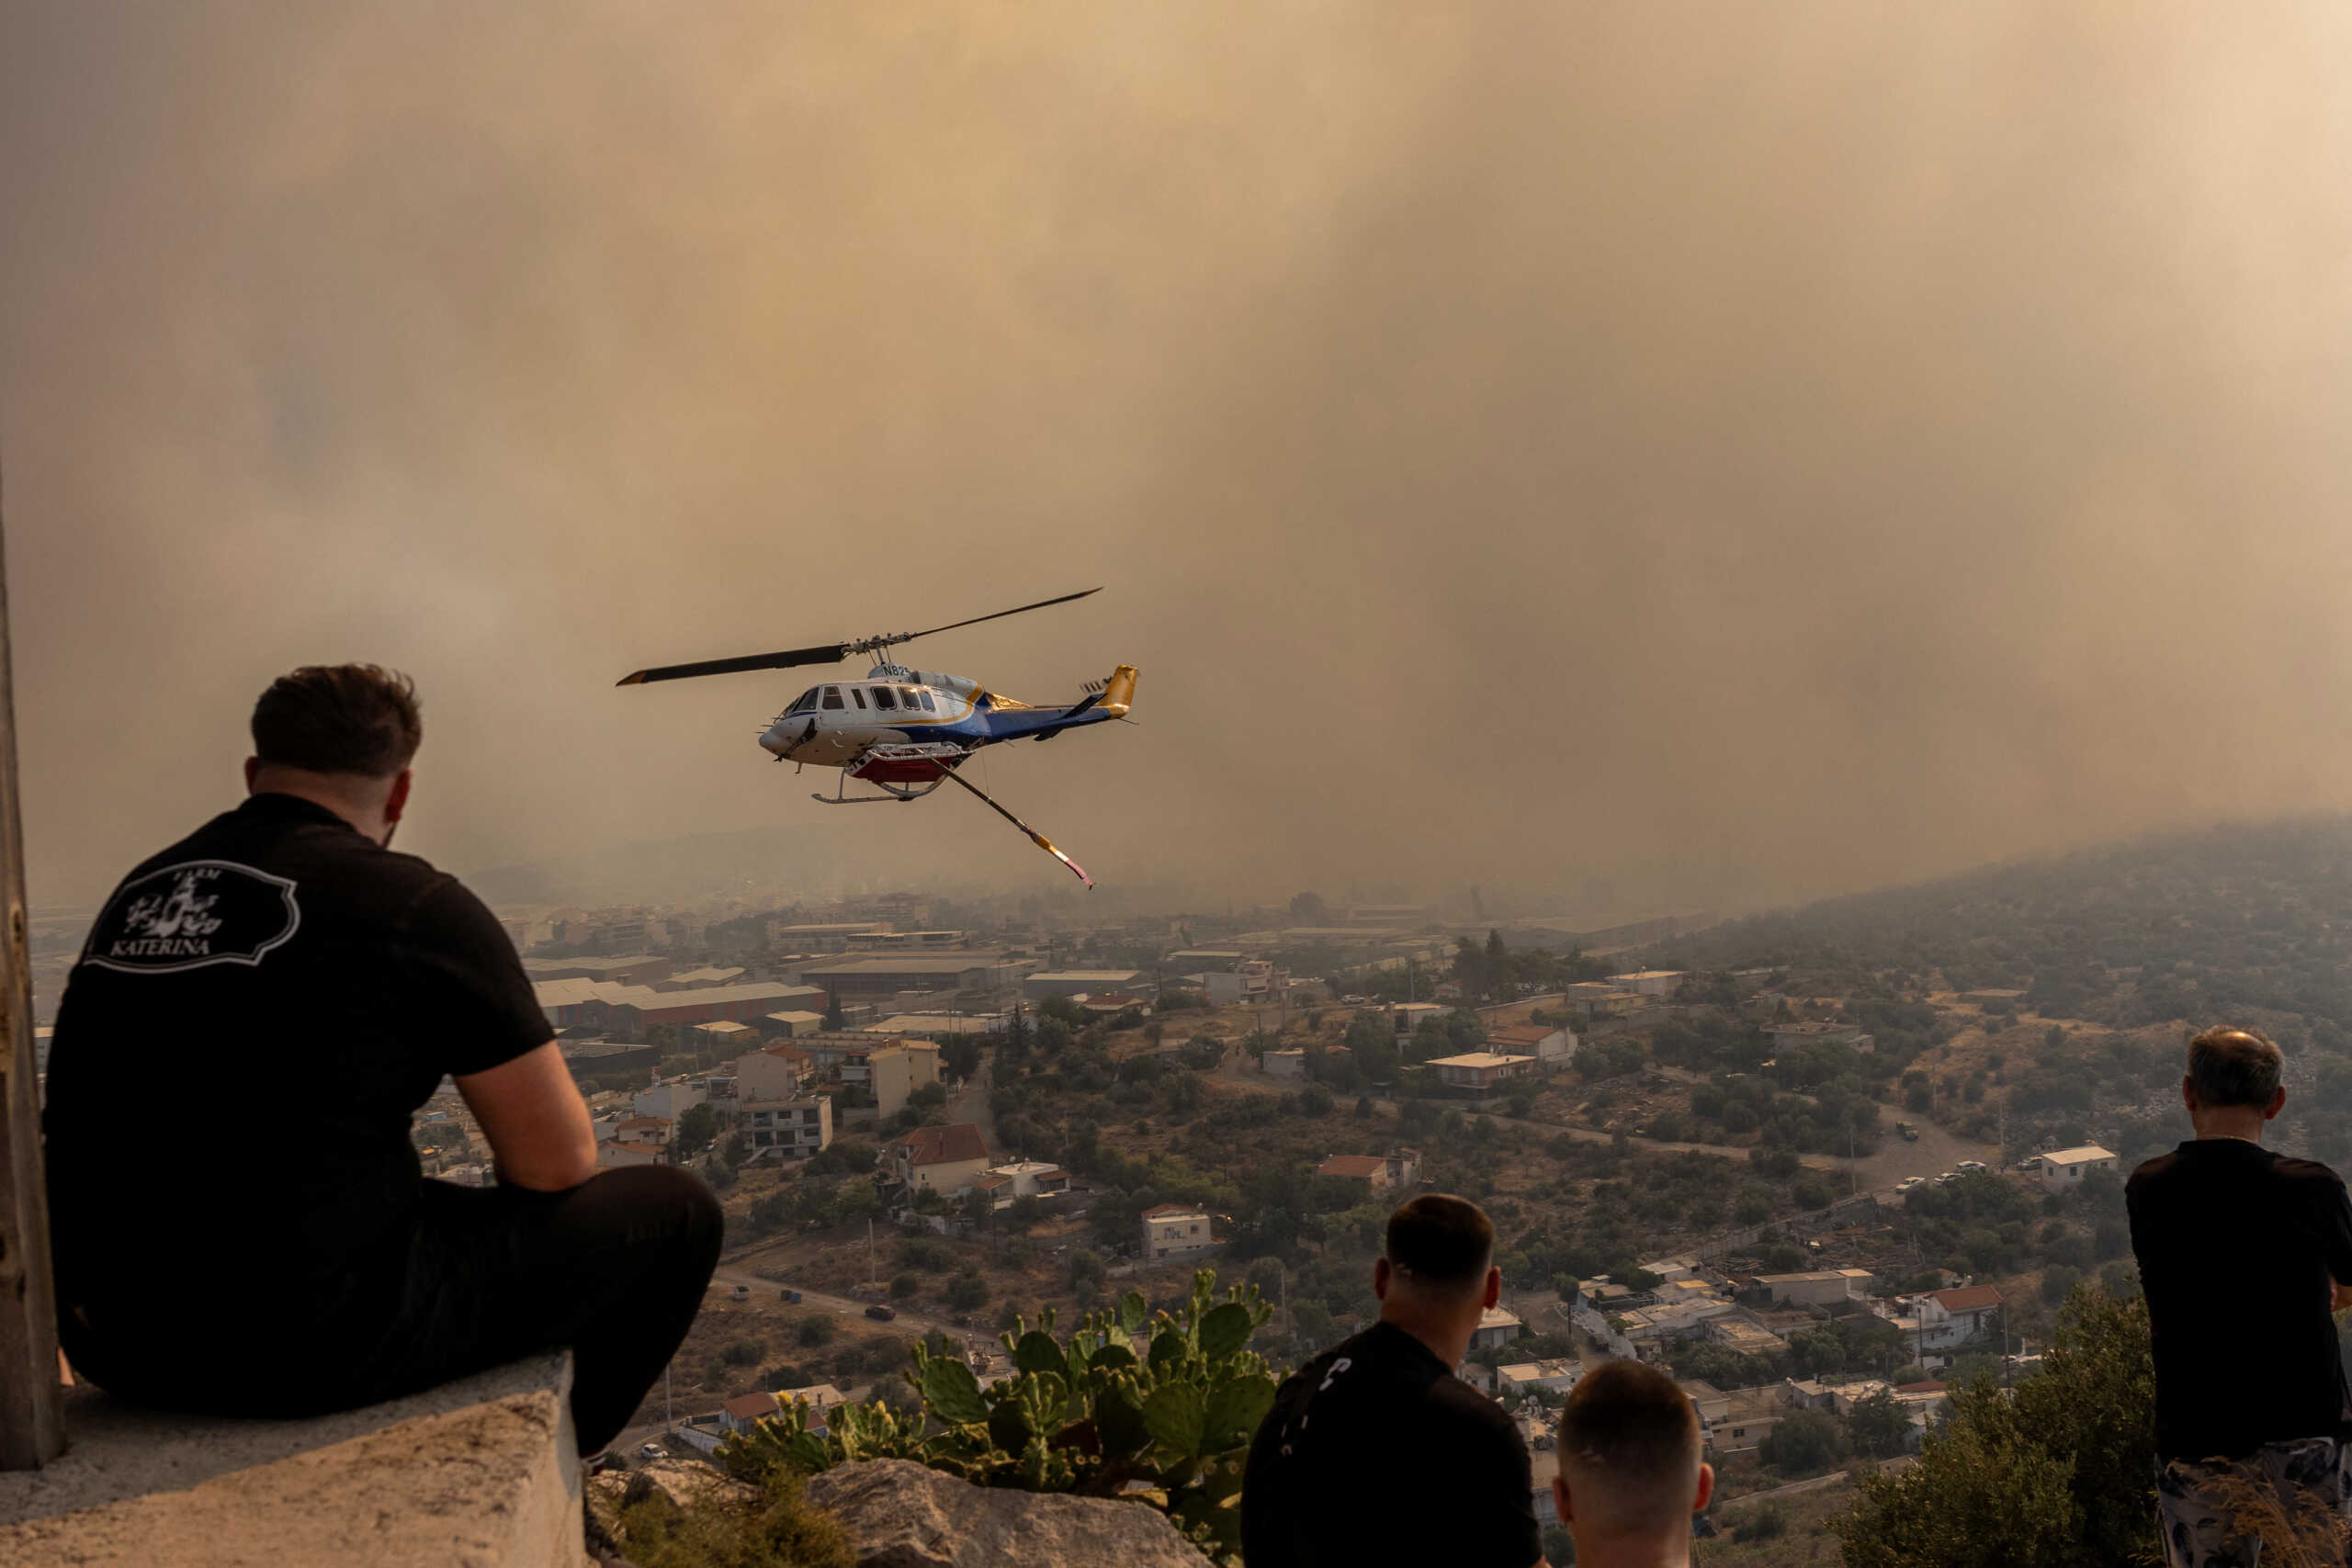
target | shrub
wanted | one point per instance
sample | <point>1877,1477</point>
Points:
<point>742,1352</point>
<point>968,1290</point>
<point>905,1285</point>
<point>1765,1521</point>
<point>778,1530</point>
<point>813,1331</point>
<point>1168,1405</point>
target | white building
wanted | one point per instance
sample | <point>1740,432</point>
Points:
<point>1649,982</point>
<point>775,1072</point>
<point>1479,1070</point>
<point>1290,1064</point>
<point>1176,1231</point>
<point>798,1127</point>
<point>1498,1326</point>
<point>670,1099</point>
<point>1553,1376</point>
<point>2063,1170</point>
<point>1551,1048</point>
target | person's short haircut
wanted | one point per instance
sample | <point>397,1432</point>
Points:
<point>1628,1429</point>
<point>1442,1242</point>
<point>2233,1066</point>
<point>339,718</point>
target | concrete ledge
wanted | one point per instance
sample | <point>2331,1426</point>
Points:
<point>479,1474</point>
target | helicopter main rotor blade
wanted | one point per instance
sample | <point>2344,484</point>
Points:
<point>828,653</point>
<point>976,620</point>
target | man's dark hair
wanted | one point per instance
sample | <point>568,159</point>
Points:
<point>339,718</point>
<point>1628,1420</point>
<point>2234,1067</point>
<point>1440,1241</point>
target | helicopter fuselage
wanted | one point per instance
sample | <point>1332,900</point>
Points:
<point>841,723</point>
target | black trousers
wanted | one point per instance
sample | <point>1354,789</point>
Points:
<point>614,1268</point>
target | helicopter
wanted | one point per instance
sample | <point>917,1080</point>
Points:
<point>906,731</point>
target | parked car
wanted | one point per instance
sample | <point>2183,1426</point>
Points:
<point>881,1313</point>
<point>740,1293</point>
<point>652,1450</point>
<point>791,1295</point>
<point>1909,1133</point>
<point>1970,1168</point>
<point>1947,1178</point>
<point>1911,1184</point>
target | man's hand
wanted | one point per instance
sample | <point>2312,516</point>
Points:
<point>541,1135</point>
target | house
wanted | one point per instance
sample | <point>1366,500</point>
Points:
<point>1479,1071</point>
<point>1175,1231</point>
<point>1553,1376</point>
<point>2063,1169</point>
<point>1591,999</point>
<point>1818,1287</point>
<point>1712,1404</point>
<point>892,1071</point>
<point>948,1159</point>
<point>1291,1064</point>
<point>1379,1173</point>
<point>1409,1016</point>
<point>1942,1321</point>
<point>1649,982</point>
<point>818,1397</point>
<point>642,1129</point>
<point>775,1072</point>
<point>746,1411</point>
<point>614,1153</point>
<point>1497,1328</point>
<point>798,1126</point>
<point>1025,1179</point>
<point>1818,1032</point>
<point>1748,1417</point>
<point>1745,1337</point>
<point>1551,1048</point>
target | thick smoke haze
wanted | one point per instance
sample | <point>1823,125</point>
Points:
<point>1663,454</point>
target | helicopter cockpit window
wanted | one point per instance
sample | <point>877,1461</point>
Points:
<point>833,696</point>
<point>883,699</point>
<point>803,703</point>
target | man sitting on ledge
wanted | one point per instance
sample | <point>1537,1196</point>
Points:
<point>238,1220</point>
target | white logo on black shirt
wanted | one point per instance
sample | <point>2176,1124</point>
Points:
<point>192,914</point>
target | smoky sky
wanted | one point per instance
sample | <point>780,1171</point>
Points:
<point>1662,455</point>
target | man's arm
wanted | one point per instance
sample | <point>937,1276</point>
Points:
<point>537,1125</point>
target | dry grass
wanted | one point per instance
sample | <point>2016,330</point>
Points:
<point>2307,1534</point>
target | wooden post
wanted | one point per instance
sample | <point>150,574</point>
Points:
<point>32,1423</point>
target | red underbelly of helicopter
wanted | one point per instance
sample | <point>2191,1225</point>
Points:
<point>898,769</point>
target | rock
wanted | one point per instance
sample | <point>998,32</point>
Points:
<point>899,1515</point>
<point>687,1483</point>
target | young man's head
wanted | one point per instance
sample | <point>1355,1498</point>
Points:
<point>2232,1085</point>
<point>1439,1274</point>
<point>341,735</point>
<point>1630,1474</point>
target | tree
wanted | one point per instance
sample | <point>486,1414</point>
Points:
<point>697,1128</point>
<point>960,1056</point>
<point>1804,1443</point>
<point>834,1020</point>
<point>968,1290</point>
<point>904,1285</point>
<point>1021,1217</point>
<point>1879,1426</point>
<point>2057,1473</point>
<point>735,1150</point>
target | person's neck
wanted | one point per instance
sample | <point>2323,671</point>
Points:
<point>1632,1551</point>
<point>1445,1331</point>
<point>2229,1122</point>
<point>366,816</point>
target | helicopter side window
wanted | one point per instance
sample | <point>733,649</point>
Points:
<point>857,697</point>
<point>883,699</point>
<point>833,696</point>
<point>928,705</point>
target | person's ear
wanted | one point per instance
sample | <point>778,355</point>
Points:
<point>2277,1103</point>
<point>1494,1291</point>
<point>396,801</point>
<point>253,771</point>
<point>1706,1488</point>
<point>2189,1093</point>
<point>1560,1497</point>
<point>1380,1275</point>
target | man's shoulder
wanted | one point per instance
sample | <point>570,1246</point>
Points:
<point>1457,1399</point>
<point>2306,1173</point>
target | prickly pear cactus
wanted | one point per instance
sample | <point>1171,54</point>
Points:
<point>1133,1403</point>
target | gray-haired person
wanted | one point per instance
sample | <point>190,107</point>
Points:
<point>2242,1254</point>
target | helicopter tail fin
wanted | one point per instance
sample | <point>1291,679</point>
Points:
<point>1119,692</point>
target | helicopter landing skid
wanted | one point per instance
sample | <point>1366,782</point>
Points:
<point>900,772</point>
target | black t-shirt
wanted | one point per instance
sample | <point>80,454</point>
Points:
<point>1375,1453</point>
<point>2236,1246</point>
<point>258,1012</point>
